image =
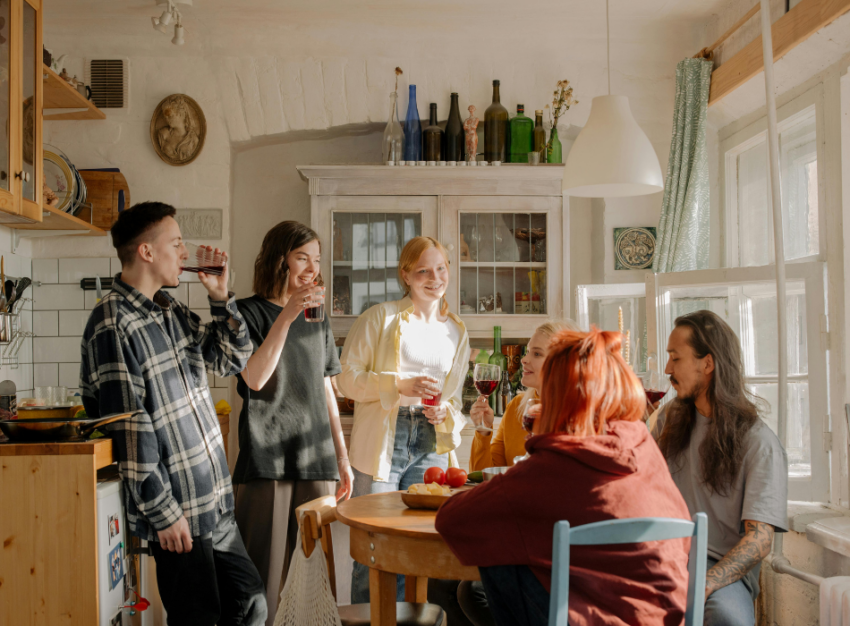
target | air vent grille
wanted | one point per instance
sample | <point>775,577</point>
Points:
<point>108,80</point>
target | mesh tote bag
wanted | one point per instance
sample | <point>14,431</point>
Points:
<point>306,599</point>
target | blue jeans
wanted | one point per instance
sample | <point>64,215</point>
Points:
<point>732,605</point>
<point>515,596</point>
<point>414,451</point>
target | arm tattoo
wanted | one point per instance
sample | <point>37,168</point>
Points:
<point>747,553</point>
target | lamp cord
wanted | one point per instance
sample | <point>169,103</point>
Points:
<point>608,46</point>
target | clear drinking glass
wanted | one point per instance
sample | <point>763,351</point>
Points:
<point>317,313</point>
<point>440,377</point>
<point>533,158</point>
<point>204,259</point>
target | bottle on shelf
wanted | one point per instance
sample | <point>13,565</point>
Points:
<point>412,130</point>
<point>393,146</point>
<point>432,138</point>
<point>540,136</point>
<point>495,129</point>
<point>497,358</point>
<point>469,394</point>
<point>454,133</point>
<point>522,136</point>
<point>554,147</point>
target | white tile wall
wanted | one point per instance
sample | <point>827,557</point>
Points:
<point>62,309</point>
<point>17,266</point>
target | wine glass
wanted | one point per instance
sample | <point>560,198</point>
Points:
<point>532,412</point>
<point>657,391</point>
<point>486,377</point>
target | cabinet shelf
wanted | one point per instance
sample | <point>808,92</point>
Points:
<point>58,222</point>
<point>59,94</point>
<point>532,265</point>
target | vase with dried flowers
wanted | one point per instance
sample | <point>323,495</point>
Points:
<point>392,150</point>
<point>562,100</point>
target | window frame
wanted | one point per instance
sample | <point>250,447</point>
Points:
<point>815,488</point>
<point>751,135</point>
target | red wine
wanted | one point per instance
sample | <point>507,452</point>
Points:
<point>486,387</point>
<point>528,422</point>
<point>315,314</point>
<point>213,270</point>
<point>435,401</point>
<point>654,395</point>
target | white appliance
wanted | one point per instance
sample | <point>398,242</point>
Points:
<point>112,560</point>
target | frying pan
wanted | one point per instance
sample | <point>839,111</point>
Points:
<point>51,429</point>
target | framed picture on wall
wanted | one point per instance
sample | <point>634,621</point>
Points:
<point>634,247</point>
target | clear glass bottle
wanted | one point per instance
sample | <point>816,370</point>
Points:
<point>455,138</point>
<point>392,149</point>
<point>432,137</point>
<point>522,136</point>
<point>412,130</point>
<point>540,136</point>
<point>495,129</point>
<point>497,358</point>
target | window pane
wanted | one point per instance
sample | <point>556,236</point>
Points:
<point>799,187</point>
<point>759,304</point>
<point>603,312</point>
<point>798,428</point>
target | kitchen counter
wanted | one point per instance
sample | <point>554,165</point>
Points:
<point>48,533</point>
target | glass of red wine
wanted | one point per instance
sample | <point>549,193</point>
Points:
<point>204,259</point>
<point>657,391</point>
<point>486,377</point>
<point>532,411</point>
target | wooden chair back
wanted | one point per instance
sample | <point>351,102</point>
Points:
<point>314,520</point>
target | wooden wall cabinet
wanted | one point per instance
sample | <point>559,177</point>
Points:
<point>21,98</point>
<point>506,229</point>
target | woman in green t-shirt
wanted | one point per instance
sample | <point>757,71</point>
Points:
<point>291,447</point>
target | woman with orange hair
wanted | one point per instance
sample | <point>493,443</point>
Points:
<point>591,459</point>
<point>397,355</point>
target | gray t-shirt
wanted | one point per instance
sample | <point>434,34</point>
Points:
<point>759,492</point>
<point>284,430</point>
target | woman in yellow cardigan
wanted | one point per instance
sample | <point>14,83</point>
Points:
<point>509,441</point>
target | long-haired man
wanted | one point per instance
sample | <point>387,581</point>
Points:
<point>725,461</point>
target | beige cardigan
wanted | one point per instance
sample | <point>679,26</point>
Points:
<point>370,365</point>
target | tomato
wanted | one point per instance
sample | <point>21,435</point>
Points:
<point>456,477</point>
<point>435,475</point>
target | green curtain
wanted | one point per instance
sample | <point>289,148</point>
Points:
<point>683,231</point>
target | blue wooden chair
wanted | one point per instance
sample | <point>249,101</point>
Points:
<point>630,531</point>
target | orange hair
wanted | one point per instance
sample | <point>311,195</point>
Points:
<point>410,257</point>
<point>586,383</point>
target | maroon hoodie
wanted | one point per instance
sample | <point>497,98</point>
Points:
<point>509,521</point>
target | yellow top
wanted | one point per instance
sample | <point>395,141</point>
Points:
<point>509,441</point>
<point>369,373</point>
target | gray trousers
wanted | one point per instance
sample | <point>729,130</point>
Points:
<point>265,514</point>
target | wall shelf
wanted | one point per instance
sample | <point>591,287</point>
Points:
<point>59,94</point>
<point>55,223</point>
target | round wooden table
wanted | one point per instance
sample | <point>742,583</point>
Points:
<point>391,539</point>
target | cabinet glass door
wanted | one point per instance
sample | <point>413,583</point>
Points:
<point>366,251</point>
<point>503,263</point>
<point>31,83</point>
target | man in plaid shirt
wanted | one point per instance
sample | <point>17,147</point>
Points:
<point>144,351</point>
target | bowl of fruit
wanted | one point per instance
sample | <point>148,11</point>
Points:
<point>438,487</point>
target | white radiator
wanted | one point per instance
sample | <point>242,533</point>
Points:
<point>835,601</point>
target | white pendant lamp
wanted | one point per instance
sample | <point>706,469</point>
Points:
<point>612,156</point>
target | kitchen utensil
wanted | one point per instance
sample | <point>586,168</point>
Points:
<point>491,472</point>
<point>48,412</point>
<point>421,501</point>
<point>107,194</point>
<point>22,286</point>
<point>42,430</point>
<point>97,291</point>
<point>9,290</point>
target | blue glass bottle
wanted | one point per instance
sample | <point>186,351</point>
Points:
<point>412,130</point>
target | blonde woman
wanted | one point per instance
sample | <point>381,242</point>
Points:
<point>385,354</point>
<point>509,441</point>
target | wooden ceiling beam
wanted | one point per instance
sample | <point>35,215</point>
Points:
<point>790,30</point>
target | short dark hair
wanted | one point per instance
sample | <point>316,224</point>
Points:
<point>134,223</point>
<point>271,274</point>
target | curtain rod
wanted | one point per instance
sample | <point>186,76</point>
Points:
<point>708,52</point>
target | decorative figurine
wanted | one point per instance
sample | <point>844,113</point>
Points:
<point>470,127</point>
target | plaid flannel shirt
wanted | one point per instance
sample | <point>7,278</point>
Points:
<point>139,354</point>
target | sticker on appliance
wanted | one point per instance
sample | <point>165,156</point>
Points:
<point>116,566</point>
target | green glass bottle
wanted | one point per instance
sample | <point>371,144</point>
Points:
<point>522,136</point>
<point>497,358</point>
<point>540,136</point>
<point>554,151</point>
<point>495,129</point>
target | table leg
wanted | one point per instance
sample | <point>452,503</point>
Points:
<point>382,593</point>
<point>415,589</point>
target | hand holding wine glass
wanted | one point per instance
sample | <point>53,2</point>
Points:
<point>481,414</point>
<point>486,377</point>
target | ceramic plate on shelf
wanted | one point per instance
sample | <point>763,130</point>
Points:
<point>59,177</point>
